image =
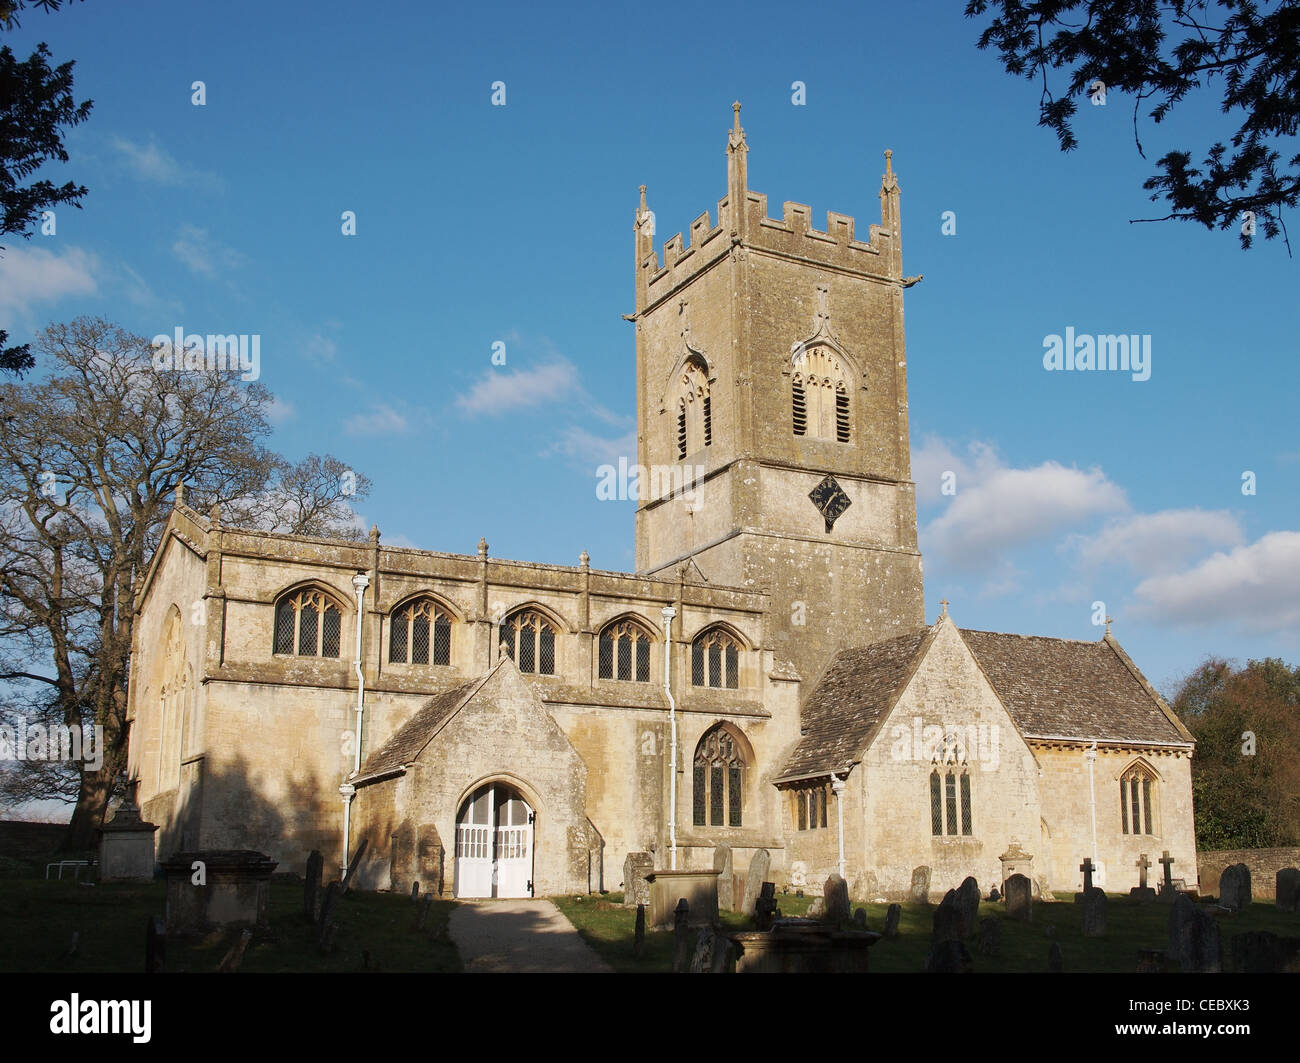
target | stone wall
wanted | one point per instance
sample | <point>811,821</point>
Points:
<point>1264,865</point>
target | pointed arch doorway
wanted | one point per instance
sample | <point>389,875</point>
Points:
<point>494,843</point>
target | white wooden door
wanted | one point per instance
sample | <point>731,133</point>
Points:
<point>494,844</point>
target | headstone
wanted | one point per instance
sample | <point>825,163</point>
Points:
<point>1234,887</point>
<point>1168,894</point>
<point>836,892</point>
<point>415,890</point>
<point>155,945</point>
<point>949,922</point>
<point>948,957</point>
<point>726,880</point>
<point>765,910</point>
<point>995,894</point>
<point>968,896</point>
<point>816,910</point>
<point>1020,898</point>
<point>1288,889</point>
<point>990,929</point>
<point>330,903</point>
<point>312,885</point>
<point>702,959</point>
<point>1055,961</point>
<point>892,914</point>
<point>638,941</point>
<point>636,890</point>
<point>1256,952</point>
<point>1142,893</point>
<point>920,889</point>
<point>799,874</point>
<point>1094,913</point>
<point>1087,869</point>
<point>681,934</point>
<point>759,865</point>
<point>1193,938</point>
<point>353,864</point>
<point>1151,961</point>
<point>860,919</point>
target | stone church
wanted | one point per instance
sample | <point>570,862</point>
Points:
<point>765,680</point>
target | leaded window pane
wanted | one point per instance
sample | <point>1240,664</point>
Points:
<point>331,632</point>
<point>508,640</point>
<point>547,637</point>
<point>1133,804</point>
<point>398,631</point>
<point>442,640</point>
<point>950,799</point>
<point>284,626</point>
<point>715,795</point>
<point>802,802</point>
<point>625,657</point>
<point>606,657</point>
<point>936,804</point>
<point>308,625</point>
<point>733,662</point>
<point>715,665</point>
<point>733,795</point>
<point>697,664</point>
<point>527,650</point>
<point>1146,805</point>
<point>965,804</point>
<point>699,794</point>
<point>643,660</point>
<point>420,639</point>
<point>1123,804</point>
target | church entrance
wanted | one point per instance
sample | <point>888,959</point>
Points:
<point>494,843</point>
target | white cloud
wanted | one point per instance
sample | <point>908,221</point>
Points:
<point>152,163</point>
<point>934,458</point>
<point>280,411</point>
<point>33,275</point>
<point>201,253</point>
<point>1256,586</point>
<point>591,450</point>
<point>320,349</point>
<point>382,419</point>
<point>500,391</point>
<point>1157,542</point>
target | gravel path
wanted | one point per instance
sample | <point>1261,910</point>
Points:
<point>520,936</point>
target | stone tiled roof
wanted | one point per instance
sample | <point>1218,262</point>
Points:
<point>409,739</point>
<point>855,693</point>
<point>1063,688</point>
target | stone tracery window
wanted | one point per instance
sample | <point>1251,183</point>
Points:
<point>715,660</point>
<point>308,624</point>
<point>718,779</point>
<point>528,638</point>
<point>419,633</point>
<point>1136,791</point>
<point>820,396</point>
<point>809,806</point>
<point>624,652</point>
<point>694,409</point>
<point>950,791</point>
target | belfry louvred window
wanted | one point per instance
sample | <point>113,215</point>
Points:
<point>694,409</point>
<point>820,396</point>
<point>307,624</point>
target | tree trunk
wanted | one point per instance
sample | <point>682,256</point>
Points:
<point>92,803</point>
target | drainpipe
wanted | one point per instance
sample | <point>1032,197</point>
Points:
<point>1090,755</point>
<point>359,582</point>
<point>837,788</point>
<point>668,612</point>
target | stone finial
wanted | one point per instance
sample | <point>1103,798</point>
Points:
<point>735,108</point>
<point>584,559</point>
<point>180,493</point>
<point>888,182</point>
<point>374,533</point>
<point>943,606</point>
<point>642,201</point>
<point>1108,623</point>
<point>482,548</point>
<point>214,514</point>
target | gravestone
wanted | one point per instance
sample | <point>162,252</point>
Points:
<point>1168,893</point>
<point>126,845</point>
<point>1020,898</point>
<point>1055,961</point>
<point>765,910</point>
<point>1142,893</point>
<point>638,940</point>
<point>155,945</point>
<point>1256,952</point>
<point>311,887</point>
<point>995,895</point>
<point>892,914</point>
<point>1193,938</point>
<point>636,890</point>
<point>968,896</point>
<point>836,892</point>
<point>860,919</point>
<point>327,907</point>
<point>919,893</point>
<point>949,921</point>
<point>948,957</point>
<point>759,865</point>
<point>726,880</point>
<point>1288,889</point>
<point>1087,868</point>
<point>799,874</point>
<point>990,929</point>
<point>681,934</point>
<point>1234,887</point>
<point>1094,913</point>
<point>816,910</point>
<point>702,959</point>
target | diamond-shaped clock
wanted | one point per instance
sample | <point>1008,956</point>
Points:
<point>830,500</point>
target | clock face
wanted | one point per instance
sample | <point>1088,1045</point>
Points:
<point>830,500</point>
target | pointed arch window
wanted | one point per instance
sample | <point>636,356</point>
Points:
<point>1137,791</point>
<point>950,791</point>
<point>718,779</point>
<point>528,638</point>
<point>624,652</point>
<point>715,660</point>
<point>308,623</point>
<point>694,409</point>
<point>820,396</point>
<point>419,633</point>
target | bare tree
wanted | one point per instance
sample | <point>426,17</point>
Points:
<point>90,457</point>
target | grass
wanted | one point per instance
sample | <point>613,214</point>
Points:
<point>38,919</point>
<point>609,929</point>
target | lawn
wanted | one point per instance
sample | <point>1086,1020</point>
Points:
<point>609,928</point>
<point>38,920</point>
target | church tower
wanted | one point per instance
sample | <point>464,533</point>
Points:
<point>772,417</point>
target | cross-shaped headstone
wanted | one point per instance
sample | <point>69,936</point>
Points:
<point>1168,861</point>
<point>1086,868</point>
<point>1142,865</point>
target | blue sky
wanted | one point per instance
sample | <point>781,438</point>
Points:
<point>478,224</point>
